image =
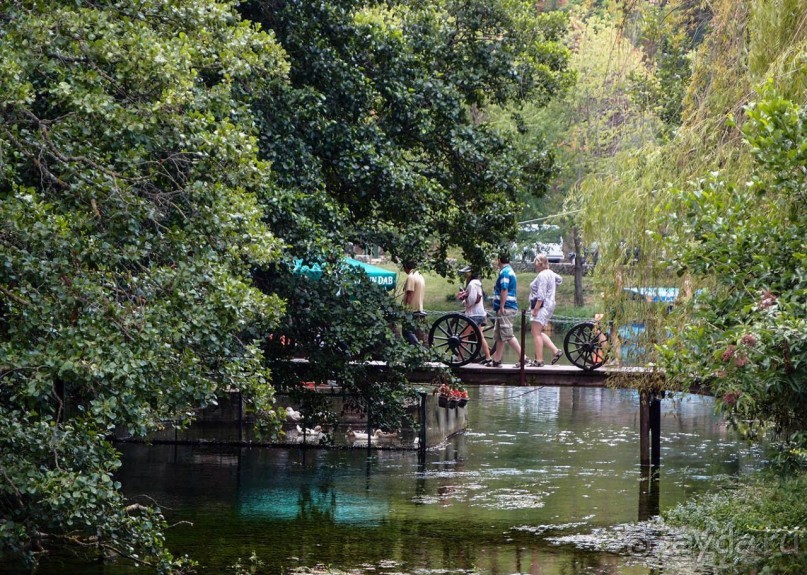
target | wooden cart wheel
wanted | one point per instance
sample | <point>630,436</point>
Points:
<point>583,345</point>
<point>456,338</point>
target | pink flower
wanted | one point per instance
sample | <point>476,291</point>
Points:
<point>741,360</point>
<point>729,353</point>
<point>749,339</point>
<point>768,299</point>
<point>731,397</point>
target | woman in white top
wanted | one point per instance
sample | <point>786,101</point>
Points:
<point>542,305</point>
<point>474,301</point>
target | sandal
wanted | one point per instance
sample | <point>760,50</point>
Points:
<point>495,363</point>
<point>557,356</point>
<point>536,363</point>
<point>486,361</point>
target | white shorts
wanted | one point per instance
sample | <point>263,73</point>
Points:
<point>543,316</point>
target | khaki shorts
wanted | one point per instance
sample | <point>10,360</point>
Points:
<point>503,328</point>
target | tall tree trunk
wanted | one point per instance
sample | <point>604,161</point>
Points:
<point>578,267</point>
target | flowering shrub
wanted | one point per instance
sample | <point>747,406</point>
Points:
<point>744,334</point>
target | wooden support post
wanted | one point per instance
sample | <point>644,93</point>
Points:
<point>655,430</point>
<point>649,429</point>
<point>240,417</point>
<point>522,375</point>
<point>369,425</point>
<point>422,432</point>
<point>644,428</point>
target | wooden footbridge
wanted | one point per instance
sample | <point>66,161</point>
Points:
<point>548,375</point>
<point>457,339</point>
<point>647,381</point>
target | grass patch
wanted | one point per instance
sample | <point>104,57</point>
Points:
<point>758,525</point>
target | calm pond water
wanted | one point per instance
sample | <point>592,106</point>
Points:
<point>534,464</point>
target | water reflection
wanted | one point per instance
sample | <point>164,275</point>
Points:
<point>306,493</point>
<point>535,465</point>
<point>649,493</point>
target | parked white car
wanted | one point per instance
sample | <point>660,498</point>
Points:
<point>553,251</point>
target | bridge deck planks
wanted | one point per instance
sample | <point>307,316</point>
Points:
<point>551,375</point>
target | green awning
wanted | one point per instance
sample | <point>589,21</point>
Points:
<point>384,278</point>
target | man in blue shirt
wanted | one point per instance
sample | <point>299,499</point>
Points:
<point>505,304</point>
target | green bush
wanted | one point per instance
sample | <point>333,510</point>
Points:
<point>757,525</point>
<point>745,332</point>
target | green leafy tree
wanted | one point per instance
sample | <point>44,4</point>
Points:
<point>627,208</point>
<point>382,124</point>
<point>589,126</point>
<point>744,334</point>
<point>341,323</point>
<point>668,32</point>
<point>138,224</point>
<point>129,226</point>
<point>380,138</point>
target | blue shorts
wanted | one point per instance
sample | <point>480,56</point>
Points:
<point>479,319</point>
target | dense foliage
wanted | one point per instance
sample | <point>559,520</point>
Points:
<point>735,239</point>
<point>380,139</point>
<point>382,125</point>
<point>129,226</point>
<point>340,323</point>
<point>162,165</point>
<point>716,208</point>
<point>633,64</point>
<point>744,333</point>
<point>626,202</point>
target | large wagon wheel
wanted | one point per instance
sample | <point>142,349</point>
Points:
<point>456,338</point>
<point>583,345</point>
